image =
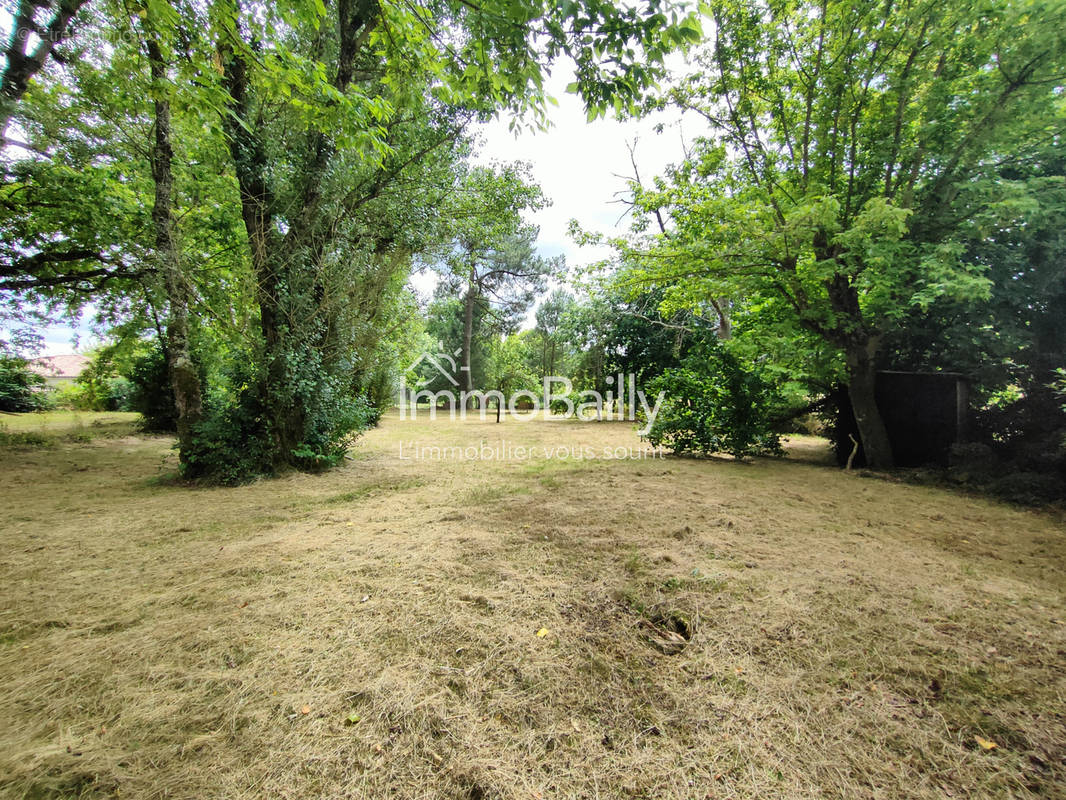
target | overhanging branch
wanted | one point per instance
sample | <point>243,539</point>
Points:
<point>23,274</point>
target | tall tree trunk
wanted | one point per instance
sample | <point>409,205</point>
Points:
<point>467,380</point>
<point>257,210</point>
<point>862,375</point>
<point>288,289</point>
<point>184,377</point>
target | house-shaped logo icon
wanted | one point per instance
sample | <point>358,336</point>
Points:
<point>437,361</point>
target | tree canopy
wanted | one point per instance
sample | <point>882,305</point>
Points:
<point>850,151</point>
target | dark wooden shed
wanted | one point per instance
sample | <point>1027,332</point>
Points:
<point>925,414</point>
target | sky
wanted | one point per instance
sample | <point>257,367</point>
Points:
<point>581,167</point>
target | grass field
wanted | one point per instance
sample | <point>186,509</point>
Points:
<point>52,427</point>
<point>417,624</point>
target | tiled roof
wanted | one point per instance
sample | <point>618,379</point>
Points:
<point>66,366</point>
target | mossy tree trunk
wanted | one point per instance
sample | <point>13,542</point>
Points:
<point>184,375</point>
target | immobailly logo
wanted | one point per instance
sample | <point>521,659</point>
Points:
<point>622,401</point>
<point>435,360</point>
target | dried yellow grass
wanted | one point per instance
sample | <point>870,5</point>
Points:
<point>713,629</point>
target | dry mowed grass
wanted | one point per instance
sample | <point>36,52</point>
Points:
<point>707,628</point>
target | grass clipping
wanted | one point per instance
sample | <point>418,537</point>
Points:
<point>522,629</point>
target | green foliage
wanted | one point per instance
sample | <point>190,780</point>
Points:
<point>232,444</point>
<point>1058,386</point>
<point>338,420</point>
<point>1013,344</point>
<point>237,442</point>
<point>509,364</point>
<point>151,394</point>
<point>100,386</point>
<point>849,153</point>
<point>21,389</point>
<point>317,153</point>
<point>643,339</point>
<point>551,329</point>
<point>714,403</point>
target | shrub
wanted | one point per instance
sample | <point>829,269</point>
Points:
<point>560,405</point>
<point>119,394</point>
<point>21,390</point>
<point>150,392</point>
<point>235,442</point>
<point>338,429</point>
<point>100,386</point>
<point>377,387</point>
<point>231,445</point>
<point>713,403</point>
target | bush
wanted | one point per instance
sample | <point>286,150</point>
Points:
<point>378,390</point>
<point>231,445</point>
<point>1027,428</point>
<point>99,387</point>
<point>20,389</point>
<point>714,404</point>
<point>348,417</point>
<point>151,394</point>
<point>571,401</point>
<point>235,441</point>
<point>119,394</point>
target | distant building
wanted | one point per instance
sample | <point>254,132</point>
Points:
<point>59,370</point>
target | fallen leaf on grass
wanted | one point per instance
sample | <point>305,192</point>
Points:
<point>986,744</point>
<point>305,710</point>
<point>543,632</point>
<point>352,718</point>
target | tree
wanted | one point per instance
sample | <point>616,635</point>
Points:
<point>846,146</point>
<point>181,367</point>
<point>507,369</point>
<point>335,130</point>
<point>21,389</point>
<point>491,261</point>
<point>1012,344</point>
<point>343,83</point>
<point>551,319</point>
<point>22,64</point>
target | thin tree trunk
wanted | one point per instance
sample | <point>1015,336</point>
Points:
<point>725,325</point>
<point>184,377</point>
<point>468,335</point>
<point>862,374</point>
